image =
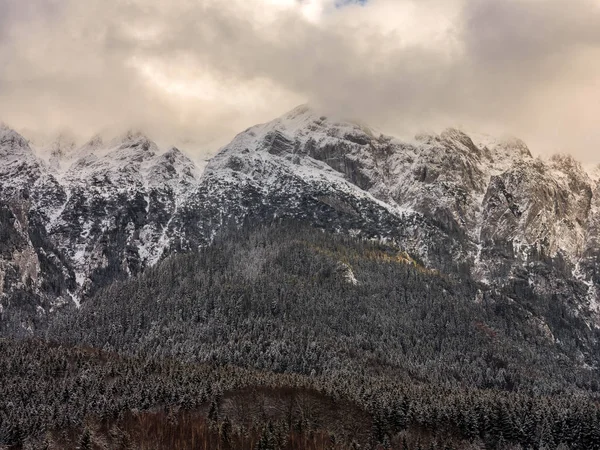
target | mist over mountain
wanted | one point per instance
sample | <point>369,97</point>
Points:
<point>81,216</point>
<point>207,69</point>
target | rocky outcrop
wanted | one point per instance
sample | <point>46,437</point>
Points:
<point>465,205</point>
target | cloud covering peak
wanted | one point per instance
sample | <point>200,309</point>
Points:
<point>204,70</point>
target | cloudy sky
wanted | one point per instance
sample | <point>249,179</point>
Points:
<point>205,69</point>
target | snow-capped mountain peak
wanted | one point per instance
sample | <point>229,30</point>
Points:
<point>60,152</point>
<point>454,199</point>
<point>12,142</point>
<point>594,172</point>
<point>135,140</point>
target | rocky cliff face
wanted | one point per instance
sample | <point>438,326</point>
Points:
<point>472,204</point>
<point>107,214</point>
<point>469,205</point>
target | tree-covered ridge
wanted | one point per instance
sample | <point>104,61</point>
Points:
<point>295,300</point>
<point>56,397</point>
<point>287,337</point>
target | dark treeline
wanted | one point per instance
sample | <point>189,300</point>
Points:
<point>286,337</point>
<point>59,397</point>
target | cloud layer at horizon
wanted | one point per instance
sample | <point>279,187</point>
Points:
<point>206,69</point>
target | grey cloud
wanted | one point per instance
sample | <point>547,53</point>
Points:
<point>513,67</point>
<point>527,31</point>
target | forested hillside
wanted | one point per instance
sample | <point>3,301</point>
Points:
<point>293,299</point>
<point>287,337</point>
<point>53,397</point>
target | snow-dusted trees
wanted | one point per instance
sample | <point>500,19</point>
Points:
<point>261,341</point>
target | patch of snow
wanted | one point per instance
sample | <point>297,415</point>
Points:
<point>593,294</point>
<point>350,278</point>
<point>593,171</point>
<point>79,255</point>
<point>75,299</point>
<point>80,278</point>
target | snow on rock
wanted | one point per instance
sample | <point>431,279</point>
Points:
<point>91,212</point>
<point>12,143</point>
<point>458,201</point>
<point>486,202</point>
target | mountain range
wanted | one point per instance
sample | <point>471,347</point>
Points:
<point>316,284</point>
<point>77,218</point>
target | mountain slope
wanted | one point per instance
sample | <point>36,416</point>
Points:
<point>286,299</point>
<point>107,215</point>
<point>478,205</point>
<point>470,205</point>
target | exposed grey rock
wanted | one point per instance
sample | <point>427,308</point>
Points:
<point>463,204</point>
